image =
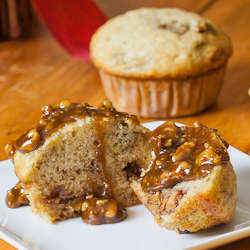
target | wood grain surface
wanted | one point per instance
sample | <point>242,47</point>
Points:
<point>36,71</point>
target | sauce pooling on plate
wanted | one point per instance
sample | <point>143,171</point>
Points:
<point>16,197</point>
<point>96,211</point>
<point>183,154</point>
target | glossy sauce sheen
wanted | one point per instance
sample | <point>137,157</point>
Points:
<point>183,154</point>
<point>16,197</point>
<point>101,162</point>
<point>97,211</point>
<point>55,117</point>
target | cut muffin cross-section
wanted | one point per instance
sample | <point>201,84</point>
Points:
<point>78,152</point>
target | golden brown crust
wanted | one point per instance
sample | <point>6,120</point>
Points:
<point>153,43</point>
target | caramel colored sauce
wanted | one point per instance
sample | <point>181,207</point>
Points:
<point>55,117</point>
<point>96,211</point>
<point>101,161</point>
<point>16,197</point>
<point>183,154</point>
<point>10,149</point>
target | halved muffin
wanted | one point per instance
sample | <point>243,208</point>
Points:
<point>77,152</point>
<point>191,184</point>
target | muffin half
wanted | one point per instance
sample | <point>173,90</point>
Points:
<point>191,184</point>
<point>77,153</point>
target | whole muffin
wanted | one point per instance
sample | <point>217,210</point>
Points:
<point>161,62</point>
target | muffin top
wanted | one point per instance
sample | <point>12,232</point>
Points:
<point>159,43</point>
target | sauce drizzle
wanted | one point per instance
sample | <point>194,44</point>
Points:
<point>55,117</point>
<point>183,154</point>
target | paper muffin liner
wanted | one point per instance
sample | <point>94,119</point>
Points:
<point>162,98</point>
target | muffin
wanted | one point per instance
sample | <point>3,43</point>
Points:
<point>191,184</point>
<point>160,63</point>
<point>79,155</point>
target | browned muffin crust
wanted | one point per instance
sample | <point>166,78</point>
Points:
<point>159,43</point>
<point>161,62</point>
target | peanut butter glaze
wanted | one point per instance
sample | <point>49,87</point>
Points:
<point>96,211</point>
<point>55,117</point>
<point>16,197</point>
<point>183,154</point>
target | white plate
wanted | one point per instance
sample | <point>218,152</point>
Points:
<point>25,230</point>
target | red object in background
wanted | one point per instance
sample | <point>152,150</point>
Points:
<point>72,23</point>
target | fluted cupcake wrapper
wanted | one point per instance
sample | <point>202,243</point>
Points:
<point>162,98</point>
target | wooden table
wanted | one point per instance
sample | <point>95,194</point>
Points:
<point>37,71</point>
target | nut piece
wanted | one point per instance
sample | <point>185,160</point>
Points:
<point>183,151</point>
<point>46,110</point>
<point>208,156</point>
<point>175,27</point>
<point>184,166</point>
<point>168,143</point>
<point>29,141</point>
<point>10,149</point>
<point>97,211</point>
<point>108,105</point>
<point>173,201</point>
<point>110,213</point>
<point>205,27</point>
<point>64,104</point>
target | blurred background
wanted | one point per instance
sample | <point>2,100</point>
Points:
<point>35,70</point>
